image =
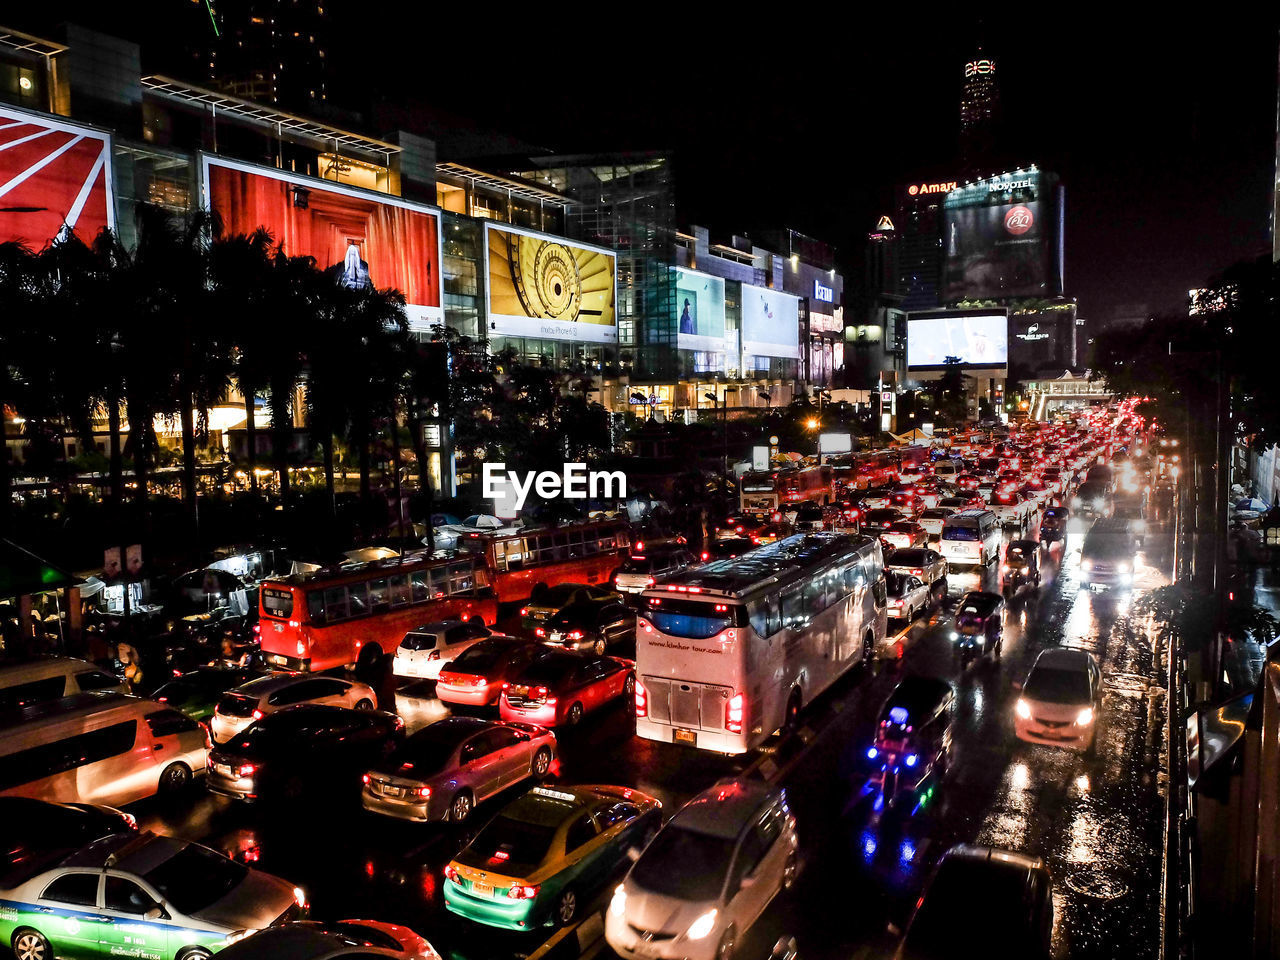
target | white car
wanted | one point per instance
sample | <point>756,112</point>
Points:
<point>425,650</point>
<point>1012,508</point>
<point>909,595</point>
<point>707,876</point>
<point>1060,701</point>
<point>933,519</point>
<point>240,707</point>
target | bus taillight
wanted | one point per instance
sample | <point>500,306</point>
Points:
<point>642,700</point>
<point>733,714</point>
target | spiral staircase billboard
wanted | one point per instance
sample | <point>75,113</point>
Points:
<point>543,286</point>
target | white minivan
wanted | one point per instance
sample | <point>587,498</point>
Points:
<point>51,678</point>
<point>971,537</point>
<point>707,876</point>
<point>99,747</point>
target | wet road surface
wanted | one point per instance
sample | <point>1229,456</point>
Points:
<point>1096,820</point>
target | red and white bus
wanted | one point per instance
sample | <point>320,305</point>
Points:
<point>518,561</point>
<point>330,619</point>
<point>762,492</point>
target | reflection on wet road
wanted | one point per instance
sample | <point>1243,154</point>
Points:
<point>1096,820</point>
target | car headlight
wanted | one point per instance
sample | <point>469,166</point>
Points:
<point>300,897</point>
<point>618,905</point>
<point>1086,564</point>
<point>955,635</point>
<point>699,929</point>
<point>1022,709</point>
<point>1122,567</point>
<point>1084,717</point>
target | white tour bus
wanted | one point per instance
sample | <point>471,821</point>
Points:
<point>728,652</point>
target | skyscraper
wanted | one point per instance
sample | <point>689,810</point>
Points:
<point>979,113</point>
<point>271,51</point>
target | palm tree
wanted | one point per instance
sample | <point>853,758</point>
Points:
<point>19,307</point>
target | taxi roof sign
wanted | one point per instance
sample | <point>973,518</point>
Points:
<point>555,794</point>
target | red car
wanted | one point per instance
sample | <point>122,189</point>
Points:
<point>560,688</point>
<point>903,534</point>
<point>474,678</point>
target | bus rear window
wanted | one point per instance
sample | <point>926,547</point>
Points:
<point>693,619</point>
<point>277,603</point>
<point>957,532</point>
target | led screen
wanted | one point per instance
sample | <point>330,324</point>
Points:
<point>770,323</point>
<point>541,286</point>
<point>979,340</point>
<point>699,311</point>
<point>54,176</point>
<point>368,240</point>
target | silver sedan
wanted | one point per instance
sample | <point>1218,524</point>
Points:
<point>445,769</point>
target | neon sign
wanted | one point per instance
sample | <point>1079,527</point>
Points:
<point>926,188</point>
<point>823,293</point>
<point>976,67</point>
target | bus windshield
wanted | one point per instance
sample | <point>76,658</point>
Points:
<point>693,619</point>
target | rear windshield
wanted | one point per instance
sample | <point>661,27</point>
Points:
<point>693,619</point>
<point>1050,685</point>
<point>896,582</point>
<point>277,603</point>
<point>423,753</point>
<point>237,705</point>
<point>1091,489</point>
<point>809,513</point>
<point>960,531</point>
<point>636,565</point>
<point>683,864</point>
<point>481,656</point>
<point>510,846</point>
<point>419,641</point>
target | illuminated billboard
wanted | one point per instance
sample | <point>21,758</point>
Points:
<point>1000,237</point>
<point>370,239</point>
<point>770,323</point>
<point>977,338</point>
<point>55,176</point>
<point>699,311</point>
<point>542,286</point>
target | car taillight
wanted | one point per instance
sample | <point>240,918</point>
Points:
<point>451,872</point>
<point>244,770</point>
<point>917,571</point>
<point>257,628</point>
<point>651,581</point>
<point>523,892</point>
<point>538,631</point>
<point>505,685</point>
<point>302,648</point>
<point>433,655</point>
<point>364,778</point>
<point>257,714</point>
<point>705,556</point>
<point>482,682</point>
<point>642,700</point>
<point>424,792</point>
<point>575,634</point>
<point>524,611</point>
<point>733,713</point>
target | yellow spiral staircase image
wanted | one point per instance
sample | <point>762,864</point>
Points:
<point>542,278</point>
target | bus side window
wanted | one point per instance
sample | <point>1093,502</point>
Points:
<point>561,546</point>
<point>758,616</point>
<point>420,580</point>
<point>315,606</point>
<point>335,604</point>
<point>359,594</point>
<point>793,612</point>
<point>459,577</point>
<point>379,595</point>
<point>399,590</point>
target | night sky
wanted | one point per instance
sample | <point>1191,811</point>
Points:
<point>1163,132</point>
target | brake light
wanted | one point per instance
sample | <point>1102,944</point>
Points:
<point>524,611</point>
<point>705,557</point>
<point>482,682</point>
<point>917,571</point>
<point>451,872</point>
<point>364,778</point>
<point>433,655</point>
<point>640,546</point>
<point>733,713</point>
<point>538,631</point>
<point>642,700</point>
<point>523,892</point>
<point>244,770</point>
<point>424,792</point>
<point>302,648</point>
<point>651,581</point>
<point>257,628</point>
<point>575,634</point>
<point>257,714</point>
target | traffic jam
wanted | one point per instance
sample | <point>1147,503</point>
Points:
<point>893,705</point>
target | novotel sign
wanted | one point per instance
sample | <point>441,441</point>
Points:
<point>823,293</point>
<point>1000,186</point>
<point>920,189</point>
<point>976,67</point>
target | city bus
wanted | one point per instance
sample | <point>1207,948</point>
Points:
<point>332,618</point>
<point>872,470</point>
<point>728,653</point>
<point>763,492</point>
<point>517,561</point>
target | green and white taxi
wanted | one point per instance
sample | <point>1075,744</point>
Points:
<point>139,897</point>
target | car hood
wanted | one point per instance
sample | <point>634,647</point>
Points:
<point>658,913</point>
<point>257,902</point>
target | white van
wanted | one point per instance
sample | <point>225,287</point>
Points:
<point>947,470</point>
<point>971,537</point>
<point>99,747</point>
<point>51,678</point>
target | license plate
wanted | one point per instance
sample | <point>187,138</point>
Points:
<point>223,769</point>
<point>482,889</point>
<point>686,736</point>
<point>556,636</point>
<point>279,658</point>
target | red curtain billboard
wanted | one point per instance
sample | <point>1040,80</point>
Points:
<point>54,177</point>
<point>375,241</point>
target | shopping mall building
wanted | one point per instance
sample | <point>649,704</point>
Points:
<point>573,261</point>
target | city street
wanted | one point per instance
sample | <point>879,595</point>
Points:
<point>1094,819</point>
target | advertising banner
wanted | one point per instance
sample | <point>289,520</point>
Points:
<point>977,339</point>
<point>55,177</point>
<point>770,323</point>
<point>543,286</point>
<point>699,311</point>
<point>996,250</point>
<point>367,239</point>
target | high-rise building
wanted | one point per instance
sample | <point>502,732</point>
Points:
<point>979,113</point>
<point>269,51</point>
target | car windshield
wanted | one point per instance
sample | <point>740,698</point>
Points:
<point>684,864</point>
<point>194,878</point>
<point>1054,685</point>
<point>518,846</point>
